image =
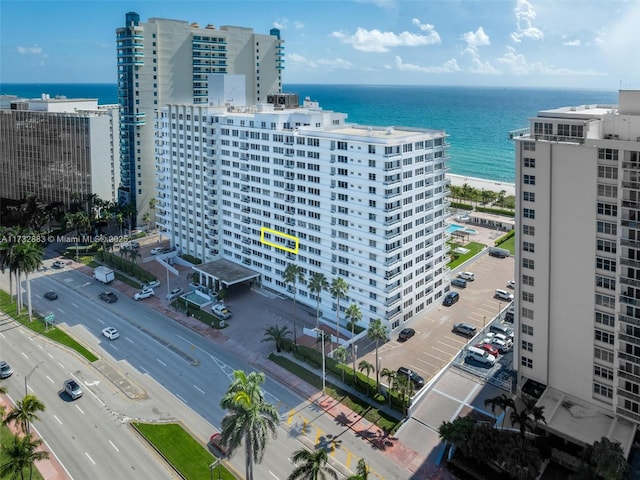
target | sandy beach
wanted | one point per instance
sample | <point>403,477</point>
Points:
<point>482,184</point>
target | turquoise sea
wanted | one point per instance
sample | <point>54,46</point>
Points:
<point>477,119</point>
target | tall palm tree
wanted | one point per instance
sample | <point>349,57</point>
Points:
<point>365,366</point>
<point>153,203</point>
<point>362,471</point>
<point>338,289</point>
<point>25,412</point>
<point>28,258</point>
<point>250,418</point>
<point>19,454</point>
<point>501,401</point>
<point>340,356</point>
<point>377,332</point>
<point>291,275</point>
<point>606,460</point>
<point>276,334</point>
<point>317,284</point>
<point>78,221</point>
<point>405,387</point>
<point>354,314</point>
<point>390,375</point>
<point>311,465</point>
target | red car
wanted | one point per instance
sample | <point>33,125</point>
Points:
<point>215,441</point>
<point>490,349</point>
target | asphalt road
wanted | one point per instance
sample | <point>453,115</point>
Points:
<point>186,366</point>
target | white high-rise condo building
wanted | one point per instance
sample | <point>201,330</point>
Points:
<point>578,269</point>
<point>168,61</point>
<point>53,148</point>
<point>265,186</point>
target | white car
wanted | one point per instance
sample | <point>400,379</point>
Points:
<point>511,284</point>
<point>503,295</point>
<point>144,294</point>
<point>469,276</point>
<point>159,250</point>
<point>111,333</point>
<point>501,345</point>
<point>221,311</point>
<point>153,284</point>
<point>175,293</point>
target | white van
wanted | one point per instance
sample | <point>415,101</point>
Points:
<point>503,295</point>
<point>480,355</point>
<point>469,276</point>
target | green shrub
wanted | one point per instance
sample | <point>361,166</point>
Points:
<point>191,259</point>
<point>505,237</point>
<point>497,211</point>
<point>461,206</point>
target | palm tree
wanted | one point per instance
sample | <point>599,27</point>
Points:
<point>152,206</point>
<point>317,285</point>
<point>20,454</point>
<point>340,356</point>
<point>146,218</point>
<point>377,332</point>
<point>293,274</point>
<point>362,366</point>
<point>362,471</point>
<point>405,388</point>
<point>276,334</point>
<point>390,375</point>
<point>28,258</point>
<point>250,418</point>
<point>503,402</point>
<point>311,465</point>
<point>338,289</point>
<point>605,459</point>
<point>25,412</point>
<point>354,314</point>
<point>77,221</point>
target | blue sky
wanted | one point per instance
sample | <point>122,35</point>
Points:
<point>546,43</point>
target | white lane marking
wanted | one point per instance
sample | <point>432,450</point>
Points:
<point>199,389</point>
<point>51,356</point>
<point>59,421</point>
<point>114,347</point>
<point>49,378</point>
<point>25,355</point>
<point>144,370</point>
<point>183,400</point>
<point>89,457</point>
<point>81,411</point>
<point>61,311</point>
<point>75,305</point>
<point>161,362</point>
<point>61,364</point>
<point>273,475</point>
<point>128,340</point>
<point>100,321</point>
<point>114,447</point>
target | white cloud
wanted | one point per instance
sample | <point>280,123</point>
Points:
<point>518,65</point>
<point>572,43</point>
<point>284,23</point>
<point>447,67</point>
<point>425,27</point>
<point>378,42</point>
<point>388,4</point>
<point>476,39</point>
<point>33,50</point>
<point>296,60</point>
<point>484,68</point>
<point>525,14</point>
<point>298,25</point>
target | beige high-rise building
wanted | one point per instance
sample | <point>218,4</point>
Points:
<point>53,148</point>
<point>164,62</point>
<point>578,268</point>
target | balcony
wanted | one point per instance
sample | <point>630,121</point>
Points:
<point>393,261</point>
<point>392,220</point>
<point>246,220</point>
<point>393,274</point>
<point>393,300</point>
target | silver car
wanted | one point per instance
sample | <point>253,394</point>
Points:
<point>73,389</point>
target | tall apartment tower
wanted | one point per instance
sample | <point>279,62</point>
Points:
<point>169,61</point>
<point>55,147</point>
<point>264,186</point>
<point>578,269</point>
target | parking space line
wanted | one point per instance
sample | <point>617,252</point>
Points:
<point>455,348</point>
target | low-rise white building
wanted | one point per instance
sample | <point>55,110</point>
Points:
<point>264,186</point>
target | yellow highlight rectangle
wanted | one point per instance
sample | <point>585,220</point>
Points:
<point>271,231</point>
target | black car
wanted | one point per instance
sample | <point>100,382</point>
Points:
<point>416,379</point>
<point>406,334</point>
<point>108,297</point>
<point>459,282</point>
<point>51,295</point>
<point>450,298</point>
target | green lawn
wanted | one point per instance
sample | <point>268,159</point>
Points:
<point>473,247</point>
<point>5,437</point>
<point>38,326</point>
<point>186,455</point>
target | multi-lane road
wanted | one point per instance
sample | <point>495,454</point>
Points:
<point>157,370</point>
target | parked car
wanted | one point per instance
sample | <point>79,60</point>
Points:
<point>503,295</point>
<point>159,250</point>
<point>470,276</point>
<point>72,389</point>
<point>406,334</point>
<point>499,252</point>
<point>51,295</point>
<point>152,284</point>
<point>59,264</point>
<point>108,297</point>
<point>134,245</point>
<point>175,293</point>
<point>450,298</point>
<point>459,282</point>
<point>506,331</point>
<point>111,333</point>
<point>501,345</point>
<point>511,284</point>
<point>5,369</point>
<point>221,311</point>
<point>480,355</point>
<point>490,349</point>
<point>465,329</point>
<point>416,379</point>
<point>215,441</point>
<point>509,316</point>
<point>142,294</point>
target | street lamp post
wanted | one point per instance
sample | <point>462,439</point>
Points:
<point>321,332</point>
<point>484,323</point>
<point>26,379</point>
<point>214,465</point>
<point>499,309</point>
<point>355,359</point>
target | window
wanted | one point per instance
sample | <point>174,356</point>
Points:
<point>527,329</point>
<point>607,228</point>
<point>606,264</point>
<point>604,337</point>
<point>529,179</point>
<point>607,172</point>
<point>605,319</point>
<point>606,246</point>
<point>529,213</point>
<point>528,230</point>
<point>603,372</point>
<point>527,362</point>
<point>529,196</point>
<point>527,313</point>
<point>528,263</point>
<point>607,209</point>
<point>528,247</point>
<point>530,146</point>
<point>603,354</point>
<point>527,280</point>
<point>528,346</point>
<point>608,154</point>
<point>606,282</point>
<point>530,162</point>
<point>603,390</point>
<point>527,297</point>
<point>610,191</point>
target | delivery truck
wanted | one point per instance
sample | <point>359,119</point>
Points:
<point>103,274</point>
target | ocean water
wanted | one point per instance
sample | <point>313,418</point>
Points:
<point>477,119</point>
